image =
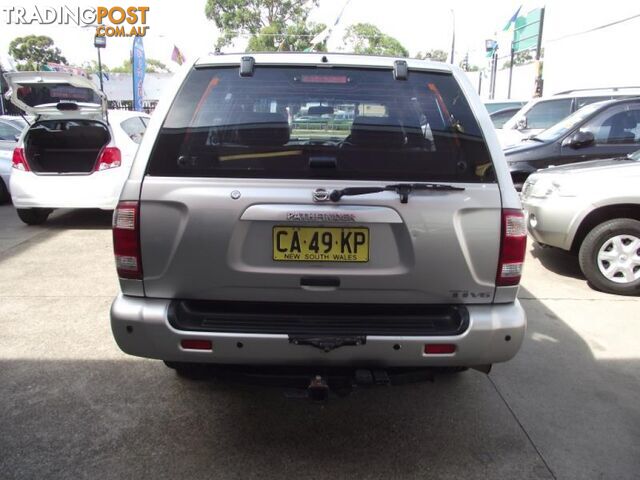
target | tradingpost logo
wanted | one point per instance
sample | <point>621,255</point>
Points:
<point>130,21</point>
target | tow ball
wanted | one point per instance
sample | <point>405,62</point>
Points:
<point>318,390</point>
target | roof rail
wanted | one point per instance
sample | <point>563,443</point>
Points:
<point>613,89</point>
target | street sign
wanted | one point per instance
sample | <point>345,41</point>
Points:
<point>527,31</point>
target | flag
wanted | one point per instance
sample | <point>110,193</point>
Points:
<point>139,65</point>
<point>512,20</point>
<point>324,34</point>
<point>177,56</point>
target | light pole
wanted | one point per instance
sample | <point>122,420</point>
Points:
<point>100,42</point>
<point>453,33</point>
<point>491,47</point>
<point>1,97</point>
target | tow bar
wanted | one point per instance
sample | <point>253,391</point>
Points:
<point>318,390</point>
<point>319,387</point>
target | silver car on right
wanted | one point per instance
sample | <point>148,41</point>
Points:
<point>593,209</point>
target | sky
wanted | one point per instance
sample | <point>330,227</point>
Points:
<point>419,25</point>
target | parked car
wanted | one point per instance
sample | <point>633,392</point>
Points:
<point>499,117</point>
<point>599,130</point>
<point>495,105</point>
<point>542,113</point>
<point>10,130</point>
<point>387,247</point>
<point>75,154</point>
<point>592,209</point>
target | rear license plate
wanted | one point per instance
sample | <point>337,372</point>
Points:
<point>321,244</point>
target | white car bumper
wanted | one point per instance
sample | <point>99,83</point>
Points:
<point>96,190</point>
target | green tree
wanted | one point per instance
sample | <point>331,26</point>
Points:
<point>272,24</point>
<point>294,38</point>
<point>433,54</point>
<point>34,51</point>
<point>520,58</point>
<point>153,66</point>
<point>366,38</point>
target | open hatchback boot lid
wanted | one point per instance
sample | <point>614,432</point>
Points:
<point>56,95</point>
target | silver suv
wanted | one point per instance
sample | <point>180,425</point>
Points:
<point>262,226</point>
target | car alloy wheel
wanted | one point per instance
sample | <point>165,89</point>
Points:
<point>619,258</point>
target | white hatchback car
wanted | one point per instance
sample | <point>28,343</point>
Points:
<point>76,154</point>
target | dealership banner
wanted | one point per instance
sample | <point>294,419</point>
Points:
<point>139,65</point>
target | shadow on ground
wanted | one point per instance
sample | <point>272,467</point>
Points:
<point>134,418</point>
<point>558,261</point>
<point>81,219</point>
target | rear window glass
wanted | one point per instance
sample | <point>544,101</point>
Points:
<point>309,122</point>
<point>53,93</point>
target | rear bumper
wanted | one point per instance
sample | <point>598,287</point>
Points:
<point>141,327</point>
<point>97,190</point>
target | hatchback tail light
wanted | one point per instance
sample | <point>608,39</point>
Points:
<point>126,240</point>
<point>19,161</point>
<point>110,157</point>
<point>513,247</point>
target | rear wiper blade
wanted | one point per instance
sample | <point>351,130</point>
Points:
<point>403,189</point>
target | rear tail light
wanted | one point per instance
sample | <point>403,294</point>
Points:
<point>19,161</point>
<point>126,240</point>
<point>109,157</point>
<point>512,248</point>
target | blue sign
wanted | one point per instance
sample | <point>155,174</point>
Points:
<point>139,65</point>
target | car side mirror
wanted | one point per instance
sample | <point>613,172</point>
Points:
<point>581,139</point>
<point>521,123</point>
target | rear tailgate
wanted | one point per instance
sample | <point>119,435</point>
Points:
<point>232,206</point>
<point>200,243</point>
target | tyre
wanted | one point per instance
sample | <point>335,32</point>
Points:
<point>518,179</point>
<point>610,256</point>
<point>33,216</point>
<point>4,193</point>
<point>191,371</point>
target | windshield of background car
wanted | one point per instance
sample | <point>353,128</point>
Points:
<point>494,107</point>
<point>308,122</point>
<point>565,126</point>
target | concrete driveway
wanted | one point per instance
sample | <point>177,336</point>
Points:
<point>74,406</point>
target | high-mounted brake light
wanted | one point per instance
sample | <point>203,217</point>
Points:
<point>513,248</point>
<point>19,161</point>
<point>110,157</point>
<point>126,240</point>
<point>335,79</point>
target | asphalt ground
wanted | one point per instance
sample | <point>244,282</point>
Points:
<point>73,406</point>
